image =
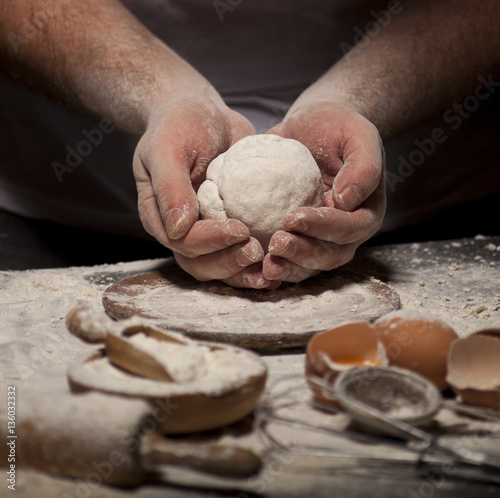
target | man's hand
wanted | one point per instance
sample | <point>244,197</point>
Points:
<point>169,164</point>
<point>350,155</point>
<point>106,63</point>
<point>386,85</point>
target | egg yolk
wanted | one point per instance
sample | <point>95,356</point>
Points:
<point>362,362</point>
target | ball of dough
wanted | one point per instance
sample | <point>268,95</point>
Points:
<point>258,181</point>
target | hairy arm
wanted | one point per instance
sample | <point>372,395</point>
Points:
<point>93,56</point>
<point>425,55</point>
<point>429,54</point>
<point>96,57</point>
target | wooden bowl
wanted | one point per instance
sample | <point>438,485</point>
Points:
<point>214,401</point>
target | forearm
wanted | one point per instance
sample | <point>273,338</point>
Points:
<point>429,54</point>
<point>94,56</point>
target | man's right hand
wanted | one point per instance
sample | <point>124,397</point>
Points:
<point>170,163</point>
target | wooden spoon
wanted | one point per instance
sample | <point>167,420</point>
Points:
<point>96,327</point>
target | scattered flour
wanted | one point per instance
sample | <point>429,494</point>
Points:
<point>456,281</point>
<point>205,308</point>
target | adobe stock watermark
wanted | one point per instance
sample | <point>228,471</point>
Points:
<point>434,479</point>
<point>363,37</point>
<point>74,155</point>
<point>30,26</point>
<point>452,119</point>
<point>223,6</point>
<point>274,468</point>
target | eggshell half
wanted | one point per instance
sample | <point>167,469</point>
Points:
<point>346,346</point>
<point>418,342</point>
<point>474,368</point>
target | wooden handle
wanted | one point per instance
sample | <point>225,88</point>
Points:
<point>89,325</point>
<point>211,458</point>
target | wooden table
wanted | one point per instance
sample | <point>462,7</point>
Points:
<point>457,281</point>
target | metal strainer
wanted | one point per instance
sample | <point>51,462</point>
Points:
<point>397,392</point>
<point>392,401</point>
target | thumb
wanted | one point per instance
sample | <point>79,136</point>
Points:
<point>167,203</point>
<point>361,173</point>
<point>175,197</point>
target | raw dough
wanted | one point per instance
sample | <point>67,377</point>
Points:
<point>258,181</point>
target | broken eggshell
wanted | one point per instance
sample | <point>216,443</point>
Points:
<point>474,368</point>
<point>333,351</point>
<point>418,342</point>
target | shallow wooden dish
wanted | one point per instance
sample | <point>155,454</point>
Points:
<point>260,319</point>
<point>179,408</point>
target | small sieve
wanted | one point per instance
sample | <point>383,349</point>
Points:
<point>398,393</point>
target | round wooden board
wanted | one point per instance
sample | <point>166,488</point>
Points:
<point>261,319</point>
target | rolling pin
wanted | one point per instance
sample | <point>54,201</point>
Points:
<point>105,438</point>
